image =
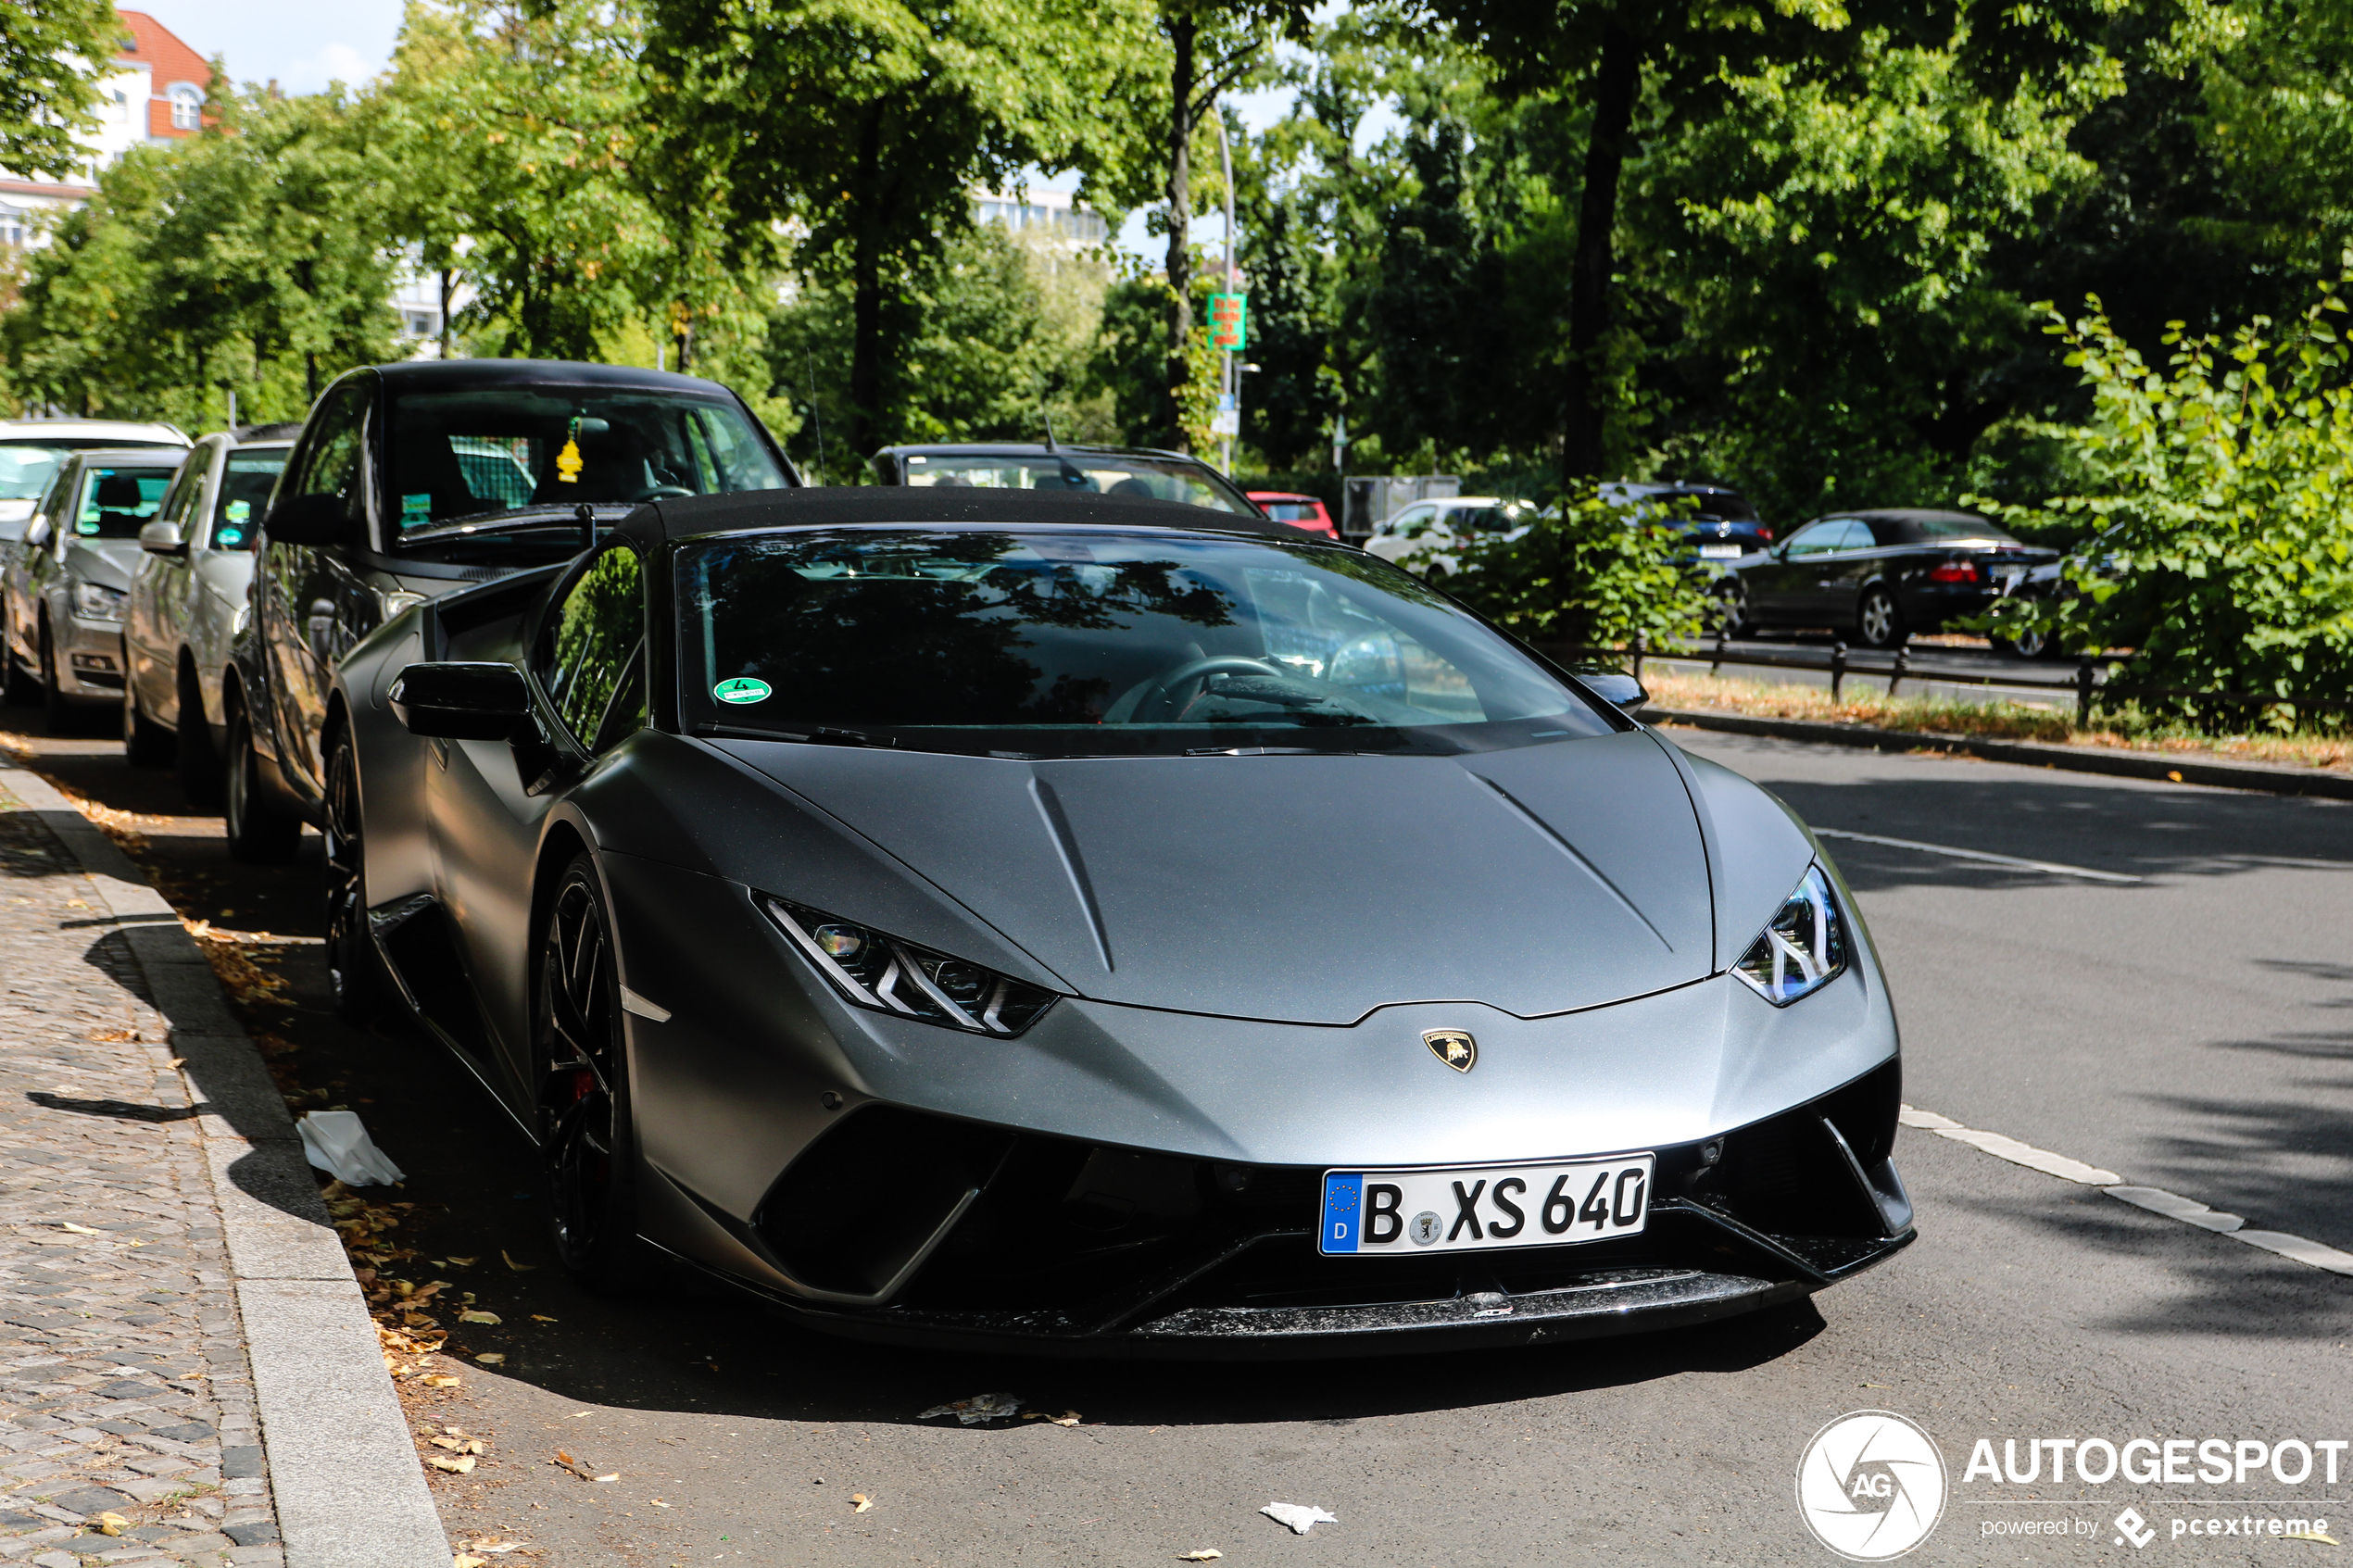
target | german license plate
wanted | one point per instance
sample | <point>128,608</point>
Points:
<point>1464,1209</point>
<point>1718,552</point>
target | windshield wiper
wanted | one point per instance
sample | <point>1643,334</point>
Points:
<point>824,735</point>
<point>522,520</point>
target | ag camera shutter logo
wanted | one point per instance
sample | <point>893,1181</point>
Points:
<point>1871,1485</point>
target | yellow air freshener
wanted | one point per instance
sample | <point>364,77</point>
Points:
<point>568,463</point>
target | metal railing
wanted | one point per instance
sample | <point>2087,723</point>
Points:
<point>2091,677</point>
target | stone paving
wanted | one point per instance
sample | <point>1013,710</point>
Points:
<point>124,1385</point>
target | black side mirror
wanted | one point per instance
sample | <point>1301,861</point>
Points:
<point>1617,688</point>
<point>463,701</point>
<point>308,520</point>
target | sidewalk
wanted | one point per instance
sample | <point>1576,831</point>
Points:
<point>182,1346</point>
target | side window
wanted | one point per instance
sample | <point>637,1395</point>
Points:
<point>177,500</point>
<point>330,461</point>
<point>1410,523</point>
<point>1855,536</point>
<point>588,664</point>
<point>1818,538</point>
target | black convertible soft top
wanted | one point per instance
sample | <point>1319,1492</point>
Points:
<point>868,505</point>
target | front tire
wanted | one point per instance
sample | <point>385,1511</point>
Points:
<point>1879,620</point>
<point>586,1133</point>
<point>352,968</point>
<point>260,832</point>
<point>19,688</point>
<point>146,744</point>
<point>1732,612</point>
<point>56,709</point>
<point>197,761</point>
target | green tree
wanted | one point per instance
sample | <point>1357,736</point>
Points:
<point>2220,487</point>
<point>866,123</point>
<point>1585,573</point>
<point>52,53</point>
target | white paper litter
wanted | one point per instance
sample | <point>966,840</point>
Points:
<point>335,1141</point>
<point>979,1407</point>
<point>1299,1516</point>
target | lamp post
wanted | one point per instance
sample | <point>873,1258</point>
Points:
<point>1229,381</point>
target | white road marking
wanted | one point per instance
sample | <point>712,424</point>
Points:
<point>2050,867</point>
<point>2157,1200</point>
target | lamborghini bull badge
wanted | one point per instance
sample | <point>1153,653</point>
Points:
<point>1452,1046</point>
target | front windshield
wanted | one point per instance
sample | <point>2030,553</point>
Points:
<point>1149,479</point>
<point>1095,642</point>
<point>116,502</point>
<point>245,494</point>
<point>26,471</point>
<point>470,454</point>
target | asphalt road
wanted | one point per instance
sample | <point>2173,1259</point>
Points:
<point>2187,1030</point>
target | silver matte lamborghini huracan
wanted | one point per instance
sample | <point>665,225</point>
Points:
<point>980,916</point>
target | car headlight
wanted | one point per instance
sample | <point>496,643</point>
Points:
<point>876,970</point>
<point>95,601</point>
<point>1802,949</point>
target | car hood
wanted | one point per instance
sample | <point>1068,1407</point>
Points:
<point>1303,889</point>
<point>109,562</point>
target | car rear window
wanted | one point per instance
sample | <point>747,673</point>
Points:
<point>1292,511</point>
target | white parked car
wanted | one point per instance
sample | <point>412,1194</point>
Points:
<point>1425,535</point>
<point>188,596</point>
<point>32,450</point>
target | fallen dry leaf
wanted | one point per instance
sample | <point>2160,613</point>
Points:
<point>519,1268</point>
<point>464,1263</point>
<point>658,1503</point>
<point>111,1524</point>
<point>1068,1418</point>
<point>441,1381</point>
<point>455,1466</point>
<point>448,1442</point>
<point>462,1560</point>
<point>79,1230</point>
<point>492,1358</point>
<point>541,1317</point>
<point>614,1477</point>
<point>475,1314</point>
<point>859,1502</point>
<point>1206,1554</point>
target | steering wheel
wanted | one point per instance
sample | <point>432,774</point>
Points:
<point>662,492</point>
<point>1158,701</point>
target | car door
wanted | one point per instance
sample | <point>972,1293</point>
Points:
<point>160,589</point>
<point>22,618</point>
<point>303,591</point>
<point>487,799</point>
<point>1780,588</point>
<point>1835,580</point>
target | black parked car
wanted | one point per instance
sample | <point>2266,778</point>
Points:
<point>1133,473</point>
<point>1883,575</point>
<point>1723,525</point>
<point>412,479</point>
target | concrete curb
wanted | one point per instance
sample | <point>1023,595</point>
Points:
<point>343,1467</point>
<point>2163,766</point>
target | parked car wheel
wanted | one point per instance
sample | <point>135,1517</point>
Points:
<point>196,758</point>
<point>1731,615</point>
<point>1879,620</point>
<point>56,709</point>
<point>146,744</point>
<point>20,689</point>
<point>260,833</point>
<point>352,970</point>
<point>585,1091</point>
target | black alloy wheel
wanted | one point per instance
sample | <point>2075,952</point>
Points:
<point>260,832</point>
<point>1879,620</point>
<point>146,744</point>
<point>583,1104</point>
<point>2034,644</point>
<point>352,969</point>
<point>196,760</point>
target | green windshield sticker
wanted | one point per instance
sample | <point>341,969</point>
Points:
<point>743,688</point>
<point>237,512</point>
<point>416,509</point>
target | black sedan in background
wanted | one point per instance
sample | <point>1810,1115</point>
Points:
<point>1882,575</point>
<point>1722,526</point>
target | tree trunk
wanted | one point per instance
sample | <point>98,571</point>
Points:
<point>865,287</point>
<point>1182,32</point>
<point>1616,86</point>
<point>449,286</point>
<point>311,375</point>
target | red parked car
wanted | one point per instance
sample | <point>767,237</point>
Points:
<point>1300,511</point>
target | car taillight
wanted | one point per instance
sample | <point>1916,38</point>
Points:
<point>1955,571</point>
<point>1763,533</point>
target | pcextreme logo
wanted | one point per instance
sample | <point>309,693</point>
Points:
<point>1870,1485</point>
